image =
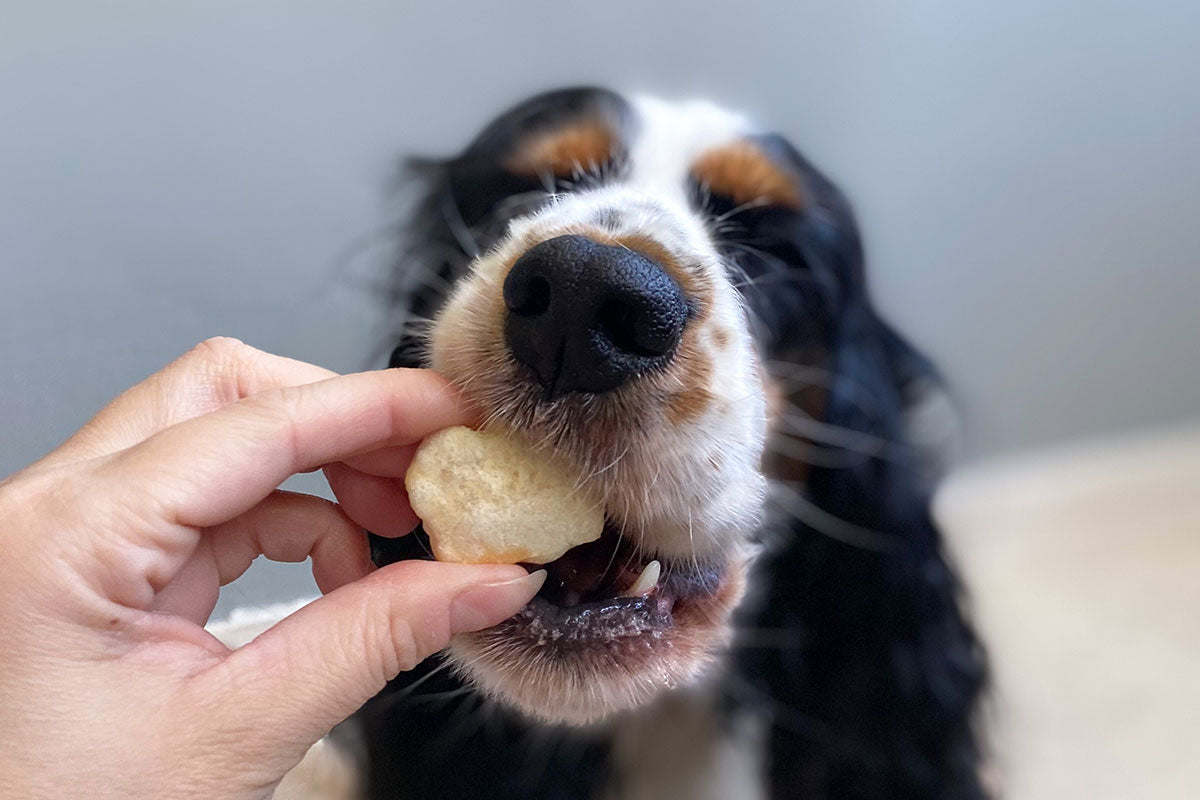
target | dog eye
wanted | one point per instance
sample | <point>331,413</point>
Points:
<point>727,217</point>
<point>715,204</point>
<point>755,238</point>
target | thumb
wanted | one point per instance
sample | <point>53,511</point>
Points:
<point>318,666</point>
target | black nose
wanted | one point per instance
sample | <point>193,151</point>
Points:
<point>586,317</point>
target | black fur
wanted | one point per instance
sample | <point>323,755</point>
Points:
<point>429,737</point>
<point>873,691</point>
<point>878,699</point>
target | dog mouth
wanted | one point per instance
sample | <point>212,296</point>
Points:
<point>612,627</point>
<point>611,588</point>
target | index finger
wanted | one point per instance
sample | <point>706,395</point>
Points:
<point>207,470</point>
<point>212,374</point>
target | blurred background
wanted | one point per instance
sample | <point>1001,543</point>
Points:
<point>1024,172</point>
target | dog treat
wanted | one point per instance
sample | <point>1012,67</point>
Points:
<point>487,498</point>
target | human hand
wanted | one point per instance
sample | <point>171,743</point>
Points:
<point>114,546</point>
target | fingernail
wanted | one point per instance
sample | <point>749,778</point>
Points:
<point>488,604</point>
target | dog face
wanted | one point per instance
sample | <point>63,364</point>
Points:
<point>616,280</point>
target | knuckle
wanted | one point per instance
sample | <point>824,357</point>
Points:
<point>405,647</point>
<point>215,363</point>
<point>398,641</point>
<point>219,348</point>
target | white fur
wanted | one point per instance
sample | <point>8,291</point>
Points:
<point>672,136</point>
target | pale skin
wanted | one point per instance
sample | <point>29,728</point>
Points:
<point>113,547</point>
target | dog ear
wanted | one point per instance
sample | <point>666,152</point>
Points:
<point>877,697</point>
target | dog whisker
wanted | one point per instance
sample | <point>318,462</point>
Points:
<point>791,497</point>
<point>458,226</point>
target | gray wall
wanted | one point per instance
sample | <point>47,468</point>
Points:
<point>1025,173</point>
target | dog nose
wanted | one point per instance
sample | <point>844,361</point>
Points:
<point>586,317</point>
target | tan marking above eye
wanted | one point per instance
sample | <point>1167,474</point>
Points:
<point>581,146</point>
<point>742,172</point>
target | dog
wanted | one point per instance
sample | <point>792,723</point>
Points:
<point>674,300</point>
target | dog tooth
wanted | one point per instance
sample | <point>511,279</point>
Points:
<point>646,581</point>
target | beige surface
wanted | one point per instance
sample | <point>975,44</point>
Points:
<point>1085,573</point>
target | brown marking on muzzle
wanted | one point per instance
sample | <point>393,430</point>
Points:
<point>696,373</point>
